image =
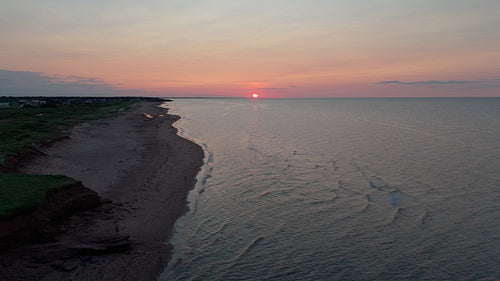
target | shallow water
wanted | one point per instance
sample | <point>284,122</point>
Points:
<point>341,189</point>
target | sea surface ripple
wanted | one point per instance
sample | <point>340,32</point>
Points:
<point>341,189</point>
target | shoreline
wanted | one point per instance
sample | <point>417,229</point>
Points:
<point>143,171</point>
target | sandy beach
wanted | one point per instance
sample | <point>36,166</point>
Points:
<point>143,171</point>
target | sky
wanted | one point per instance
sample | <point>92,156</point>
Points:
<point>231,48</point>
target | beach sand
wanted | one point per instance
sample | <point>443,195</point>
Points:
<point>143,171</point>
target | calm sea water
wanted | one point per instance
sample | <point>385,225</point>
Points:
<point>342,189</point>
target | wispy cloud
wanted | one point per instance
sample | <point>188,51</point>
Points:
<point>76,79</point>
<point>455,84</point>
<point>429,82</point>
<point>27,83</point>
<point>272,89</point>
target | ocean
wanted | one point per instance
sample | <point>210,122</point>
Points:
<point>341,189</point>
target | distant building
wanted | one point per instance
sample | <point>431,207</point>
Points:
<point>4,104</point>
<point>31,103</point>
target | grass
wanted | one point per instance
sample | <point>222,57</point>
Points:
<point>23,193</point>
<point>20,127</point>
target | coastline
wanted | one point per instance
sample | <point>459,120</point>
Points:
<point>143,171</point>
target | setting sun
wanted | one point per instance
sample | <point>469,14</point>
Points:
<point>255,95</point>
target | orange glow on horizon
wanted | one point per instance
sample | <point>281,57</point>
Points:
<point>345,57</point>
<point>255,95</point>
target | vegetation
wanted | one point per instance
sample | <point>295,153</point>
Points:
<point>23,124</point>
<point>28,126</point>
<point>24,193</point>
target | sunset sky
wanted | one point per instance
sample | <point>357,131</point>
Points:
<point>279,48</point>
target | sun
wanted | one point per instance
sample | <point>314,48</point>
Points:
<point>255,95</point>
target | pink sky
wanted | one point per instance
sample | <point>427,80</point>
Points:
<point>232,48</point>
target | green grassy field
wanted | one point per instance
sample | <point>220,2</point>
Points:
<point>20,127</point>
<point>24,193</point>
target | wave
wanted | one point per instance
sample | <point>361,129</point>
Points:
<point>269,191</point>
<point>244,251</point>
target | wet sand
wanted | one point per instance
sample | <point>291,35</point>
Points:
<point>143,171</point>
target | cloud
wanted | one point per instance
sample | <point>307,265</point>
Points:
<point>292,86</point>
<point>456,85</point>
<point>430,82</point>
<point>78,79</point>
<point>272,89</point>
<point>27,83</point>
<point>390,82</point>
